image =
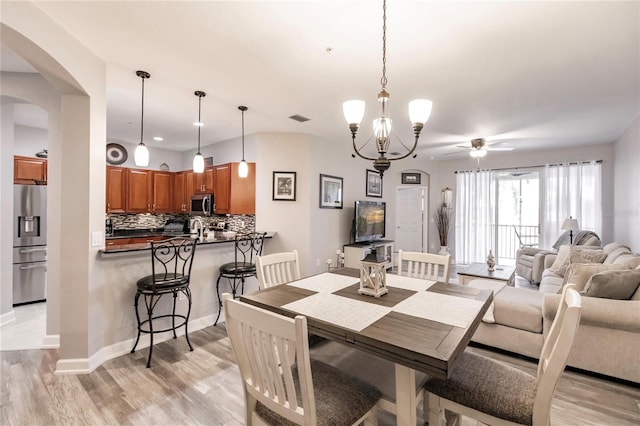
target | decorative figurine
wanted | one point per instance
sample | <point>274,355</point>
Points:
<point>491,261</point>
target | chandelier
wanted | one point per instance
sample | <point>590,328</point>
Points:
<point>419,111</point>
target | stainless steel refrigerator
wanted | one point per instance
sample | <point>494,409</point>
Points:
<point>29,244</point>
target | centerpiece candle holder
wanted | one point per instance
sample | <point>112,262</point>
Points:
<point>373,275</point>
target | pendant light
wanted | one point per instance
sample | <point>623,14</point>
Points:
<point>141,155</point>
<point>198,160</point>
<point>243,167</point>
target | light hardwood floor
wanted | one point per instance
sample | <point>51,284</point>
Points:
<point>203,387</point>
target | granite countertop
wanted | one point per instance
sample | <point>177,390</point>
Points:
<point>216,238</point>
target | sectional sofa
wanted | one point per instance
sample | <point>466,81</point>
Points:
<point>608,340</point>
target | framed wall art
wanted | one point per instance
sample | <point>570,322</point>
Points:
<point>411,178</point>
<point>330,192</point>
<point>284,186</point>
<point>373,184</point>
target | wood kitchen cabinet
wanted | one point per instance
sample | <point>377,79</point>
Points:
<point>181,196</point>
<point>233,194</point>
<point>116,189</point>
<point>29,170</point>
<point>162,200</point>
<point>204,182</point>
<point>139,190</point>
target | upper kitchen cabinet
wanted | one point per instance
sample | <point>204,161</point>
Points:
<point>29,171</point>
<point>116,189</point>
<point>139,190</point>
<point>181,195</point>
<point>205,182</point>
<point>233,194</point>
<point>162,200</point>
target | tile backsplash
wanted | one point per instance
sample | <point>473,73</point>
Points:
<point>157,220</point>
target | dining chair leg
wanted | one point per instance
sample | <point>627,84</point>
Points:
<point>372,418</point>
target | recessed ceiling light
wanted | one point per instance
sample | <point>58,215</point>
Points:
<point>158,138</point>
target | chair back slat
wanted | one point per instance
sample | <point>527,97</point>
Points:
<point>267,345</point>
<point>278,268</point>
<point>426,266</point>
<point>555,352</point>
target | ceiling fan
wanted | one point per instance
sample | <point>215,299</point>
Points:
<point>479,148</point>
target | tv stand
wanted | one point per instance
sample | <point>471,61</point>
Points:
<point>354,253</point>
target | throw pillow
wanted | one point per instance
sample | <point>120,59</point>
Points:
<point>612,246</point>
<point>616,253</point>
<point>561,263</point>
<point>579,273</point>
<point>587,256</point>
<point>618,285</point>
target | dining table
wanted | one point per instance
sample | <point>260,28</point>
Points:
<point>420,325</point>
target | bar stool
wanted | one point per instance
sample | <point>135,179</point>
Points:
<point>248,246</point>
<point>171,262</point>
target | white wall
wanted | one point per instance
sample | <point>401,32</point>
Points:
<point>495,160</point>
<point>626,208</point>
<point>29,140</point>
<point>157,156</point>
<point>6,214</point>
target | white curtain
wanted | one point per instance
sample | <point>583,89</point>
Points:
<point>571,190</point>
<point>475,215</point>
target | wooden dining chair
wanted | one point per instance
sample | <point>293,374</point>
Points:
<point>427,266</point>
<point>497,394</point>
<point>282,385</point>
<point>277,268</point>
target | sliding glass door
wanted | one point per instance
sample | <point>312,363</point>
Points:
<point>517,220</point>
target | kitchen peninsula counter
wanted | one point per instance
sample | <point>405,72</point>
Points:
<point>117,270</point>
<point>218,238</point>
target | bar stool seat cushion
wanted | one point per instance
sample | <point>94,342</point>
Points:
<point>162,282</point>
<point>490,387</point>
<point>340,399</point>
<point>239,268</point>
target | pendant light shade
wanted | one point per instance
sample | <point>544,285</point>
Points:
<point>243,167</point>
<point>198,160</point>
<point>141,155</point>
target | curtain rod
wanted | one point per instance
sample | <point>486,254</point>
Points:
<point>532,167</point>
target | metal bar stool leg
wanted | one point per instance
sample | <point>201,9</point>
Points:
<point>219,300</point>
<point>150,307</point>
<point>173,316</point>
<point>135,304</point>
<point>187,292</point>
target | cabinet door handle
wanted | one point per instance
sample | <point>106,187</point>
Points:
<point>109,206</point>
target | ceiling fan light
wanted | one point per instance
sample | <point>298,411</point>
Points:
<point>198,163</point>
<point>353,111</point>
<point>478,153</point>
<point>141,155</point>
<point>420,110</point>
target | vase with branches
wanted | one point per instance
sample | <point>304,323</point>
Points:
<point>442,218</point>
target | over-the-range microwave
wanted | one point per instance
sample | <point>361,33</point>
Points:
<point>202,204</point>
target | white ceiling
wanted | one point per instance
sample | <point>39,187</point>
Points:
<point>536,74</point>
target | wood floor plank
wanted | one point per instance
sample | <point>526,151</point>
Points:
<point>203,387</point>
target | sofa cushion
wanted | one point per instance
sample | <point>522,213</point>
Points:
<point>628,259</point>
<point>611,257</point>
<point>495,287</point>
<point>579,273</point>
<point>619,285</point>
<point>608,248</point>
<point>519,308</point>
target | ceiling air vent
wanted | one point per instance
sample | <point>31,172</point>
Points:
<point>299,118</point>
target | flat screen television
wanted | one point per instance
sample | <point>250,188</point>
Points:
<point>369,220</point>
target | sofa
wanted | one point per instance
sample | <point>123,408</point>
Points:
<point>530,260</point>
<point>608,340</point>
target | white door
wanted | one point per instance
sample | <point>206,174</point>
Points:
<point>410,210</point>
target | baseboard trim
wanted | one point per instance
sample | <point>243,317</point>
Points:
<point>7,318</point>
<point>87,365</point>
<point>51,341</point>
